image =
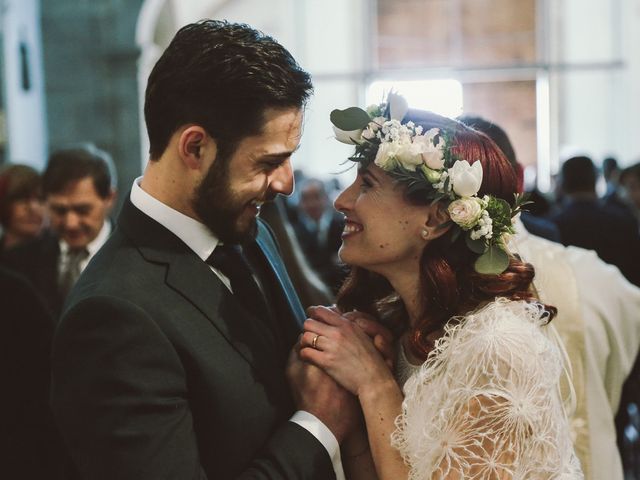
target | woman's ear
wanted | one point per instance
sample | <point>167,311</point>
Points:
<point>434,225</point>
<point>194,146</point>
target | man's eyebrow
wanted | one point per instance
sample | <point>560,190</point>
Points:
<point>279,155</point>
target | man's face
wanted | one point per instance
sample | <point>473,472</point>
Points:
<point>78,212</point>
<point>314,201</point>
<point>228,199</point>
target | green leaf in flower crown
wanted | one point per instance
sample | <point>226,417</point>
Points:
<point>456,233</point>
<point>476,246</point>
<point>493,262</point>
<point>353,118</point>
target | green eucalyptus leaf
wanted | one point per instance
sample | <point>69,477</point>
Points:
<point>476,246</point>
<point>456,233</point>
<point>353,118</point>
<point>493,262</point>
<point>446,224</point>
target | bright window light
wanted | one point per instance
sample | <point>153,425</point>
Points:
<point>440,96</point>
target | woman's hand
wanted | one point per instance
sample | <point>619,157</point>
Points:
<point>344,350</point>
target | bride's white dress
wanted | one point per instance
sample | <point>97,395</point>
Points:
<point>486,403</point>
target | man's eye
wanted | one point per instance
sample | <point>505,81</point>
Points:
<point>58,210</point>
<point>271,165</point>
<point>82,210</point>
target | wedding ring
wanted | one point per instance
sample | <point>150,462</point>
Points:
<point>314,342</point>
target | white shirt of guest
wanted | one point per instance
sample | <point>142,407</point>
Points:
<point>203,242</point>
<point>92,248</point>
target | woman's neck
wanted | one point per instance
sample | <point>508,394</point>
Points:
<point>407,285</point>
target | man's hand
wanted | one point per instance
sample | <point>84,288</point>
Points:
<point>317,393</point>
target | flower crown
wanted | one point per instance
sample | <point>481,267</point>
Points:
<point>424,161</point>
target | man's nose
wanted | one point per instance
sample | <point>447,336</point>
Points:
<point>282,179</point>
<point>71,221</point>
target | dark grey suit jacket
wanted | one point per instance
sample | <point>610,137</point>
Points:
<point>160,373</point>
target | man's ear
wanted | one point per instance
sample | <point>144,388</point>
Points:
<point>437,216</point>
<point>111,198</point>
<point>195,146</point>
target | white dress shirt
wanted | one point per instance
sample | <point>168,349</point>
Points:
<point>203,242</point>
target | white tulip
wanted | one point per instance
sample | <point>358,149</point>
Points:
<point>398,106</point>
<point>466,179</point>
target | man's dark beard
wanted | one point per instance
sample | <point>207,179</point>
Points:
<point>218,209</point>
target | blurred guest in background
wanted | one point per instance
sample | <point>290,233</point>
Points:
<point>583,221</point>
<point>611,174</point>
<point>319,231</point>
<point>309,286</point>
<point>30,447</point>
<point>22,213</point>
<point>79,194</point>
<point>599,326</point>
<point>630,189</point>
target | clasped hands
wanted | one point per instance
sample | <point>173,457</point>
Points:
<point>336,356</point>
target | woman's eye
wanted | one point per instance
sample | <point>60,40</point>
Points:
<point>365,184</point>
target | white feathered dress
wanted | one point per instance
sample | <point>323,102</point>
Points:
<point>486,403</point>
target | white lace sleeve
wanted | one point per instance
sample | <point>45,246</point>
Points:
<point>486,404</point>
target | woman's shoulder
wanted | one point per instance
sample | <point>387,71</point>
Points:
<point>502,317</point>
<point>500,331</point>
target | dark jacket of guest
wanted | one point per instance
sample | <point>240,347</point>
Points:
<point>30,447</point>
<point>37,260</point>
<point>588,224</point>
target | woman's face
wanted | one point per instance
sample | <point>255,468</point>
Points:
<point>382,229</point>
<point>26,217</point>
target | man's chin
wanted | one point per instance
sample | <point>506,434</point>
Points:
<point>240,232</point>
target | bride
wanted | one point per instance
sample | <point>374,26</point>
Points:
<point>475,390</point>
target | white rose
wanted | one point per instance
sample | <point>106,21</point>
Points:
<point>465,212</point>
<point>466,179</point>
<point>433,157</point>
<point>410,155</point>
<point>385,158</point>
<point>351,137</point>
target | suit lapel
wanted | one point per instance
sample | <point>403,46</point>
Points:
<point>192,278</point>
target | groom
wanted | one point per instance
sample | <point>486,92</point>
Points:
<point>169,359</point>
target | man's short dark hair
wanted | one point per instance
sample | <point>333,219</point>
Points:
<point>221,76</point>
<point>73,164</point>
<point>578,175</point>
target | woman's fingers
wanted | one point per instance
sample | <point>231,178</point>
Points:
<point>314,326</point>
<point>370,325</point>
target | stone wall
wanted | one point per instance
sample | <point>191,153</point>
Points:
<point>90,62</point>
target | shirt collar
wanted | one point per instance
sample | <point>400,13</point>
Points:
<point>93,246</point>
<point>193,233</point>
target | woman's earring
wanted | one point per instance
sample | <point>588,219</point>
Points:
<point>424,234</point>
